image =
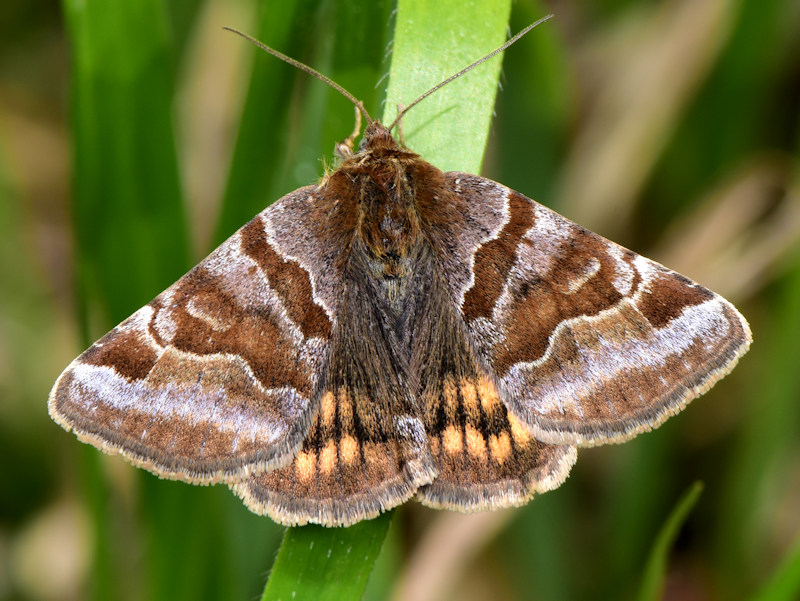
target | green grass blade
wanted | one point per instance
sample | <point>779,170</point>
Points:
<point>320,563</point>
<point>130,237</point>
<point>184,542</point>
<point>433,41</point>
<point>784,585</point>
<point>326,563</point>
<point>656,566</point>
<point>130,232</point>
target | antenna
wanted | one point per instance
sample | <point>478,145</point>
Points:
<point>467,69</point>
<point>360,105</point>
<point>295,63</point>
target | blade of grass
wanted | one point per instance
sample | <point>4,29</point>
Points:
<point>326,563</point>
<point>130,233</point>
<point>655,569</point>
<point>283,133</point>
<point>434,40</point>
<point>389,562</point>
<point>130,238</point>
<point>321,563</point>
<point>784,585</point>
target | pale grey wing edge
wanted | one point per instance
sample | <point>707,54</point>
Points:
<point>216,378</point>
<point>588,342</point>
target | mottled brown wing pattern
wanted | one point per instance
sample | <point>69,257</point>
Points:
<point>485,457</point>
<point>215,378</point>
<point>588,342</point>
<point>407,409</point>
<point>367,451</point>
<point>398,331</point>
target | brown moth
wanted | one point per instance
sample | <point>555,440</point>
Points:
<point>395,332</point>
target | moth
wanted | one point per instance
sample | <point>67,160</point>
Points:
<point>392,332</point>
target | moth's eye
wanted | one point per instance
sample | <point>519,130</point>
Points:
<point>362,145</point>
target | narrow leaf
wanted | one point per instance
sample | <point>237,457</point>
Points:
<point>784,585</point>
<point>130,237</point>
<point>326,563</point>
<point>434,40</point>
<point>656,567</point>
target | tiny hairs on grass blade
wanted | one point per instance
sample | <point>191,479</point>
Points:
<point>398,332</point>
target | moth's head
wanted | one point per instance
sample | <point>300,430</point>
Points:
<point>377,138</point>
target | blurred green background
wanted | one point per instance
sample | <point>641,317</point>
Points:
<point>669,126</point>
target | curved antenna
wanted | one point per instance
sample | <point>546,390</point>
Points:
<point>295,63</point>
<point>466,69</point>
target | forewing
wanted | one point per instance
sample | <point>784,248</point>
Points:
<point>587,342</point>
<point>217,377</point>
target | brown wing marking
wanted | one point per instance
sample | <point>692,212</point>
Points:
<point>217,377</point>
<point>587,341</point>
